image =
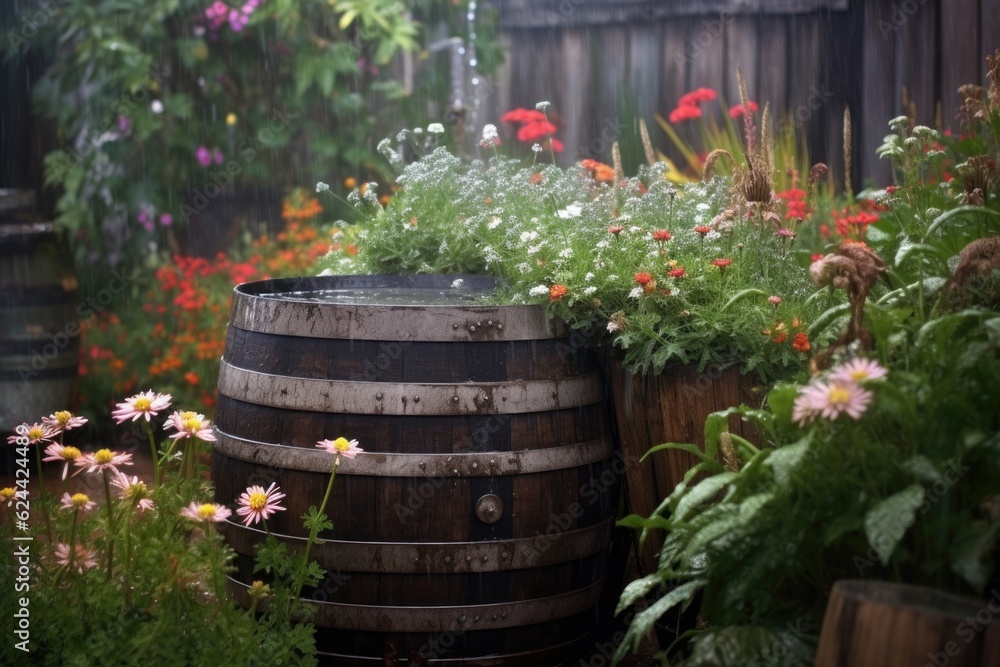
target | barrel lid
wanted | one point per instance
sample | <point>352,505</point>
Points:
<point>431,307</point>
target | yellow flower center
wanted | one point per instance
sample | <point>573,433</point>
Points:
<point>257,500</point>
<point>838,395</point>
<point>104,456</point>
<point>70,453</point>
<point>35,433</point>
<point>190,422</point>
<point>63,416</point>
<point>206,511</point>
<point>859,374</point>
<point>231,119</point>
<point>341,444</point>
<point>7,493</point>
<point>142,404</point>
<point>80,499</point>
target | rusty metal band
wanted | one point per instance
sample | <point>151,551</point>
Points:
<point>287,317</point>
<point>388,398</point>
<point>437,558</point>
<point>377,464</point>
<point>463,618</point>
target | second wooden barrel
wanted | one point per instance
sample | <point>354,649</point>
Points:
<point>39,323</point>
<point>475,528</point>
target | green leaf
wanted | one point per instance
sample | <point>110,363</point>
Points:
<point>888,521</point>
<point>638,589</point>
<point>827,317</point>
<point>948,215</point>
<point>921,467</point>
<point>780,400</point>
<point>694,450</point>
<point>739,296</point>
<point>703,492</point>
<point>644,620</point>
<point>971,554</point>
<point>636,521</point>
<point>785,460</point>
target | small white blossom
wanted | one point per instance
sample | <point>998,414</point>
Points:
<point>703,206</point>
<point>418,130</point>
<point>635,293</point>
<point>401,135</point>
<point>536,147</point>
<point>603,243</point>
<point>635,229</point>
<point>458,283</point>
<point>322,187</point>
<point>542,106</point>
<point>713,236</point>
<point>527,237</point>
<point>535,248</point>
<point>589,276</point>
<point>539,290</point>
<point>494,222</point>
<point>589,290</point>
<point>524,267</point>
<point>435,128</point>
<point>571,211</point>
<point>566,253</point>
<point>613,277</point>
<point>613,326</point>
<point>490,133</point>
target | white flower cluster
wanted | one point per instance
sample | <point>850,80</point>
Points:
<point>539,290</point>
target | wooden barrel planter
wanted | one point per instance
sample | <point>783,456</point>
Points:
<point>881,624</point>
<point>668,407</point>
<point>475,528</point>
<point>39,324</point>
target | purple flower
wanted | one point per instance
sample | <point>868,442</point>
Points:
<point>218,156</point>
<point>166,219</point>
<point>204,156</point>
<point>124,124</point>
<point>146,220</point>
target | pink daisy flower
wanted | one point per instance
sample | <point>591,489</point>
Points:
<point>190,425</point>
<point>858,370</point>
<point>256,503</point>
<point>349,448</point>
<point>206,512</point>
<point>63,420</point>
<point>83,558</point>
<point>35,433</point>
<point>56,452</point>
<point>102,459</point>
<point>144,404</point>
<point>830,400</point>
<point>78,501</point>
<point>133,490</point>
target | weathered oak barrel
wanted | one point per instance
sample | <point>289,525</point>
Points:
<point>882,624</point>
<point>475,528</point>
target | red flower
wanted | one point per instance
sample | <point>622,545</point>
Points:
<point>816,257</point>
<point>697,96</point>
<point>644,278</point>
<point>677,273</point>
<point>738,110</point>
<point>661,235</point>
<point>779,337</point>
<point>536,131</point>
<point>721,262</point>
<point>520,115</point>
<point>615,229</point>
<point>192,378</point>
<point>557,292</point>
<point>556,145</point>
<point>891,189</point>
<point>801,342</point>
<point>702,229</point>
<point>685,112</point>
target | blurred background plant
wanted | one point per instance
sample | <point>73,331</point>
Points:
<point>183,129</point>
<point>175,339</point>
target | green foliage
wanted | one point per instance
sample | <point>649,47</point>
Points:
<point>904,490</point>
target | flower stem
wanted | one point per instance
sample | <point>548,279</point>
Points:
<point>152,447</point>
<point>128,555</point>
<point>41,485</point>
<point>111,521</point>
<point>299,577</point>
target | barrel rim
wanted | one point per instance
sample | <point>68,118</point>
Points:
<point>267,306</point>
<point>910,596</point>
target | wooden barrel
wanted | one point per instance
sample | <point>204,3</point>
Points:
<point>881,624</point>
<point>475,528</point>
<point>39,324</point>
<point>668,407</point>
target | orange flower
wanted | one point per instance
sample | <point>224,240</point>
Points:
<point>644,278</point>
<point>615,229</point>
<point>350,183</point>
<point>721,262</point>
<point>780,337</point>
<point>702,229</point>
<point>557,292</point>
<point>801,342</point>
<point>677,273</point>
<point>662,235</point>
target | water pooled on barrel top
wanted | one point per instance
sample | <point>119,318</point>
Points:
<point>386,296</point>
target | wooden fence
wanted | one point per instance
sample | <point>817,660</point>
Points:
<point>603,63</point>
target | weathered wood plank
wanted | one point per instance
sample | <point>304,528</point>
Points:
<point>918,55</point>
<point>575,60</point>
<point>742,46</point>
<point>959,54</point>
<point>989,27</point>
<point>878,86</point>
<point>772,63</point>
